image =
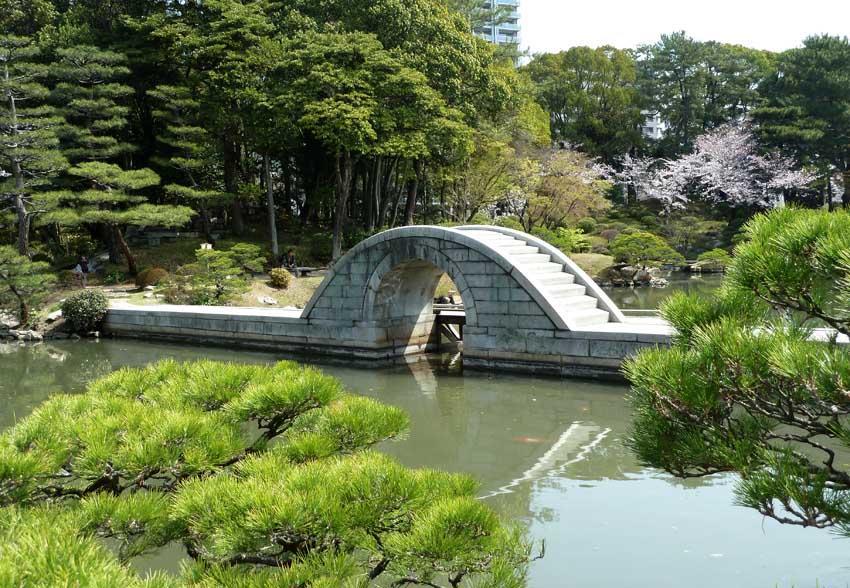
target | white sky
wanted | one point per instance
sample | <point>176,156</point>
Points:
<point>555,25</point>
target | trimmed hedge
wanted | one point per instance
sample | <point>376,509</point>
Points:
<point>151,277</point>
<point>280,278</point>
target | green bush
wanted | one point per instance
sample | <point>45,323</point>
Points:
<point>151,277</point>
<point>216,277</point>
<point>716,260</point>
<point>280,278</point>
<point>567,240</point>
<point>509,222</point>
<point>85,310</point>
<point>720,256</point>
<point>587,225</point>
<point>642,248</point>
<point>69,278</point>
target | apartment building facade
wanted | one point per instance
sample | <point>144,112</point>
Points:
<point>505,32</point>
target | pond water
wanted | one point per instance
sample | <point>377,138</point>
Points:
<point>548,452</point>
<point>646,298</point>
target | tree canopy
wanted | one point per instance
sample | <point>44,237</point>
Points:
<point>749,386</point>
<point>147,457</point>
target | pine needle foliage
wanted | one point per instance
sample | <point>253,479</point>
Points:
<point>263,473</point>
<point>23,282</point>
<point>750,386</point>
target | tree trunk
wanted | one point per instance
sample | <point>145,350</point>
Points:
<point>23,224</point>
<point>412,193</point>
<point>132,268</point>
<point>231,183</point>
<point>344,167</point>
<point>845,197</point>
<point>23,306</point>
<point>267,168</point>
<point>384,194</point>
<point>829,204</point>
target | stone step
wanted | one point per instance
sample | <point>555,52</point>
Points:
<point>543,268</point>
<point>575,303</point>
<point>516,249</point>
<point>530,258</point>
<point>588,318</point>
<point>560,279</point>
<point>566,290</point>
<point>491,236</point>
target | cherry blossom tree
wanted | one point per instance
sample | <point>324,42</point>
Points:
<point>725,166</point>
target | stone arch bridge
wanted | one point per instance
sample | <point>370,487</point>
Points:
<point>528,307</point>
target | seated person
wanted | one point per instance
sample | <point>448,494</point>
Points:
<point>289,261</point>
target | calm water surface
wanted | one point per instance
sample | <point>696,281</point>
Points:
<point>649,298</point>
<point>548,452</point>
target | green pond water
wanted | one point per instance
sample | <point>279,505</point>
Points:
<point>548,452</point>
<point>650,298</point>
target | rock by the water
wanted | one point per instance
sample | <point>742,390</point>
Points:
<point>54,316</point>
<point>622,275</point>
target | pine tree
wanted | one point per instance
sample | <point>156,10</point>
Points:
<point>28,142</point>
<point>264,474</point>
<point>107,197</point>
<point>91,102</point>
<point>22,281</point>
<point>191,158</point>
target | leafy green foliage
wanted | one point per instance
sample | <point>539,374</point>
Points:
<point>216,277</point>
<point>642,248</point>
<point>280,278</point>
<point>262,472</point>
<point>22,282</point>
<point>567,240</point>
<point>85,310</point>
<point>603,117</point>
<point>44,547</point>
<point>28,142</point>
<point>716,259</point>
<point>151,277</point>
<point>748,387</point>
<point>91,99</point>
<point>808,106</point>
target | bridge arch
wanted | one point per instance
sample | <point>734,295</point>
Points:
<point>513,286</point>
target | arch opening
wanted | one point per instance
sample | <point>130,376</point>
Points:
<point>417,304</point>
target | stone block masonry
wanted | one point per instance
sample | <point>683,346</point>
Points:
<point>527,308</point>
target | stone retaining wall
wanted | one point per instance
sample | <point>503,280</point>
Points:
<point>539,351</point>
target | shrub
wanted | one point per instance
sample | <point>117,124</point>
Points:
<point>68,278</point>
<point>280,278</point>
<point>642,248</point>
<point>509,222</point>
<point>587,225</point>
<point>719,256</point>
<point>609,234</point>
<point>216,277</point>
<point>114,276</point>
<point>150,277</point>
<point>85,310</point>
<point>716,260</point>
<point>567,240</point>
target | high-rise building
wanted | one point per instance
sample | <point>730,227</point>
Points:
<point>505,32</point>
